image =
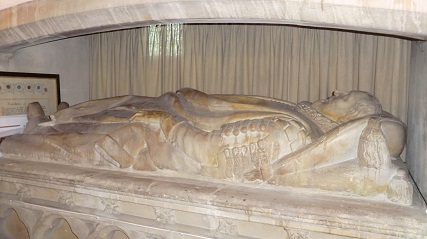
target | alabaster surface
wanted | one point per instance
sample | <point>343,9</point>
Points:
<point>41,200</point>
<point>39,21</point>
<point>345,144</point>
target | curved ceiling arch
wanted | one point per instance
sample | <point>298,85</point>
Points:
<point>39,21</point>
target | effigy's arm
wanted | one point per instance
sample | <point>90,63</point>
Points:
<point>336,146</point>
<point>340,145</point>
<point>355,158</point>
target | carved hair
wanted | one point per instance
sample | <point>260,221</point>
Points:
<point>367,105</point>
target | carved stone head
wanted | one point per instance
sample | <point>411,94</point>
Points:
<point>344,106</point>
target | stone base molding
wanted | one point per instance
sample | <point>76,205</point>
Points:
<point>45,200</point>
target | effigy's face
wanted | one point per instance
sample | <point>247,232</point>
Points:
<point>338,105</point>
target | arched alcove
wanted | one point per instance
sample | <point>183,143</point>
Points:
<point>41,21</point>
<point>60,229</point>
<point>11,226</point>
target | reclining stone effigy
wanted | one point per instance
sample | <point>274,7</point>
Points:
<point>345,144</point>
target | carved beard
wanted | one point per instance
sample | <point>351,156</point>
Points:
<point>324,123</point>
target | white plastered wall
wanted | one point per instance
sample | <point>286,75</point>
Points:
<point>69,58</point>
<point>4,61</point>
<point>416,157</point>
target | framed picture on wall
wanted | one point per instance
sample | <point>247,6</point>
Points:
<point>18,89</point>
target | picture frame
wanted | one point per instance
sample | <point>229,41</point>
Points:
<point>18,89</point>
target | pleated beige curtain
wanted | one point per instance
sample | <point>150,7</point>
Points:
<point>284,62</point>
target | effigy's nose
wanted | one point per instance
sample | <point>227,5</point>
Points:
<point>339,92</point>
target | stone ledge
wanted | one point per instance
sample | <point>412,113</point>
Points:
<point>166,206</point>
<point>44,20</point>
